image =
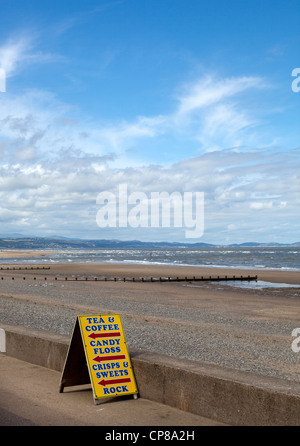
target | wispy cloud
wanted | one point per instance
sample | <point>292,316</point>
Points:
<point>13,53</point>
<point>20,51</point>
<point>211,111</point>
<point>209,91</point>
<point>82,16</point>
<point>216,112</point>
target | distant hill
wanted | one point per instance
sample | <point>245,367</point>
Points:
<point>58,242</point>
<point>65,243</point>
<point>254,244</point>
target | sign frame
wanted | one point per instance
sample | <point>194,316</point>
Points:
<point>98,355</point>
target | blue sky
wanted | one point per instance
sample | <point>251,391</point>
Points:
<point>163,96</point>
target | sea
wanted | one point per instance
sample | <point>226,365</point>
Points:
<point>271,258</point>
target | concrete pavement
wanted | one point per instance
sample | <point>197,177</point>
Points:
<point>175,391</point>
<point>29,395</point>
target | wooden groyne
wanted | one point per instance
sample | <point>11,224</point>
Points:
<point>159,279</point>
<point>82,278</point>
<point>18,268</point>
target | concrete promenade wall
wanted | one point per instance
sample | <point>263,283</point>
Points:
<point>229,396</point>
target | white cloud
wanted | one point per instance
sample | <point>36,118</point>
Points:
<point>210,111</point>
<point>205,115</point>
<point>258,205</point>
<point>64,199</point>
<point>55,161</point>
<point>12,53</point>
<point>19,51</point>
<point>210,91</point>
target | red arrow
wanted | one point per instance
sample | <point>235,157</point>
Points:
<point>103,382</point>
<point>104,335</point>
<point>108,358</point>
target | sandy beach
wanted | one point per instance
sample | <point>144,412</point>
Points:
<point>239,328</point>
<point>22,254</point>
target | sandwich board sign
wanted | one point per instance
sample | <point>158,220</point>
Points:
<point>98,355</point>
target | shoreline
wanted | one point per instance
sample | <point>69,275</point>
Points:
<point>10,257</point>
<point>153,270</point>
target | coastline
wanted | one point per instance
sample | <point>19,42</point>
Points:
<point>136,270</point>
<point>238,261</point>
<point>242,329</point>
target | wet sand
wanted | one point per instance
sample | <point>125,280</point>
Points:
<point>22,254</point>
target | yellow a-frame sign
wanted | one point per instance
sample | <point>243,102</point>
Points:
<point>98,355</point>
